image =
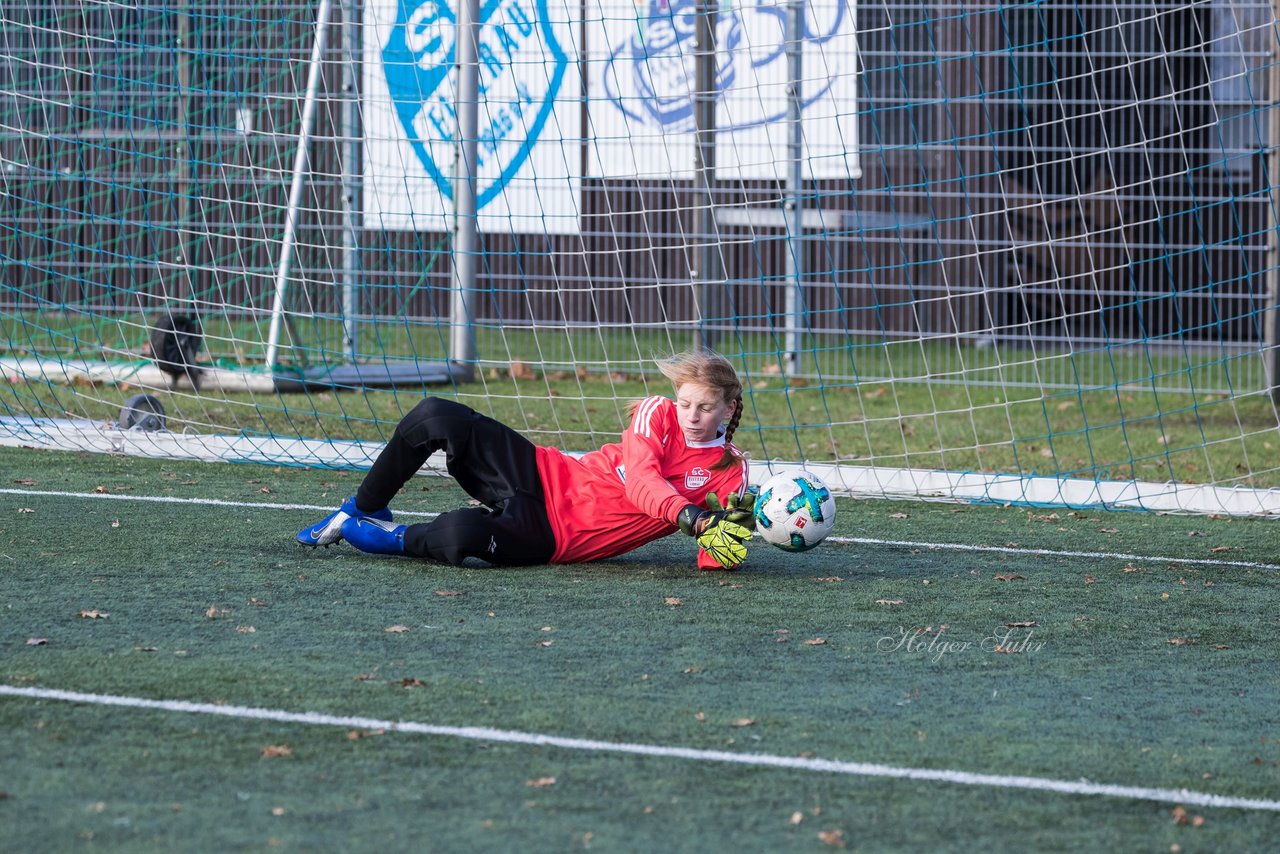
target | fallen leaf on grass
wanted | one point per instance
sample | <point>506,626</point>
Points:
<point>899,515</point>
<point>1008,577</point>
<point>395,630</point>
<point>829,578</point>
<point>25,481</point>
<point>1181,641</point>
<point>521,371</point>
<point>673,601</point>
<point>101,490</point>
<point>540,782</point>
<point>450,593</point>
<point>1182,817</point>
<point>815,642</point>
<point>1216,549</point>
<point>1022,624</point>
<point>741,722</point>
<point>412,682</point>
<point>245,630</point>
<point>272,751</point>
<point>834,838</point>
<point>366,677</point>
<point>93,614</point>
<point>890,602</point>
<point>357,734</point>
<point>797,817</point>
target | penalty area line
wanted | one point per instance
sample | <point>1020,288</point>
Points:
<point>760,760</point>
<point>866,541</point>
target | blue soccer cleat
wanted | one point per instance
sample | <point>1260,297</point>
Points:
<point>375,536</point>
<point>329,529</point>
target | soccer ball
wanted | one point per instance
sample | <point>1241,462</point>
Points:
<point>795,510</point>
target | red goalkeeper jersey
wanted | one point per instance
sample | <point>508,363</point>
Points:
<point>624,495</point>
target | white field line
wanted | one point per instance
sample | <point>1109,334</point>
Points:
<point>959,547</point>
<point>965,547</point>
<point>762,760</point>
<point>172,499</point>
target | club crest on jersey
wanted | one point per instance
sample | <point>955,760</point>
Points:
<point>696,478</point>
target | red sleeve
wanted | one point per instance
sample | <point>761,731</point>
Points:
<point>707,563</point>
<point>643,448</point>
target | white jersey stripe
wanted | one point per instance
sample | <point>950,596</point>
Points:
<point>644,416</point>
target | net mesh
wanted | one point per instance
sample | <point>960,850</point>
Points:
<point>1000,243</point>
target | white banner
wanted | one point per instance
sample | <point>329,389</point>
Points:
<point>641,84</point>
<point>529,150</point>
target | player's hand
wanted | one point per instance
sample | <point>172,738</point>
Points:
<point>740,508</point>
<point>717,535</point>
<point>726,542</point>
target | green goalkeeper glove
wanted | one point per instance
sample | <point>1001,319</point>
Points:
<point>740,508</point>
<point>717,535</point>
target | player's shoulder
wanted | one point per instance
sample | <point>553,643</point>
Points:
<point>652,415</point>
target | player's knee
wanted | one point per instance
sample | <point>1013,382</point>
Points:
<point>432,409</point>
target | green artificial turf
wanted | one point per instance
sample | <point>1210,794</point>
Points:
<point>1117,669</point>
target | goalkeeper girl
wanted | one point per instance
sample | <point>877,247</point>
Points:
<point>544,506</point>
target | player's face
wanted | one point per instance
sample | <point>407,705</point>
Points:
<point>701,410</point>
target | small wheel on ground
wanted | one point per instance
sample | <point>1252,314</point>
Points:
<point>142,412</point>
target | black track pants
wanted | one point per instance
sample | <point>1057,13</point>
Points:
<point>493,463</point>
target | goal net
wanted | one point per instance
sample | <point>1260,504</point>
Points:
<point>1015,252</point>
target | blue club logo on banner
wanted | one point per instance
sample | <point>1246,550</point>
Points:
<point>649,77</point>
<point>522,67</point>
